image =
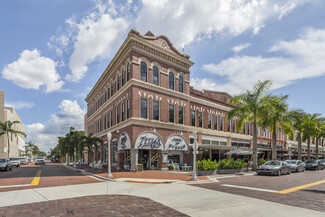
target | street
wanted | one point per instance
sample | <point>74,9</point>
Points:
<point>36,176</point>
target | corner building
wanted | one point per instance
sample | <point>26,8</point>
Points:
<point>145,100</point>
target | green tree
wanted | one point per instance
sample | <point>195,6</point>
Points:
<point>296,118</point>
<point>274,114</point>
<point>89,141</point>
<point>319,132</point>
<point>247,107</point>
<point>6,128</point>
<point>309,128</point>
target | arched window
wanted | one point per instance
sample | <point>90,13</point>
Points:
<point>123,77</point>
<point>171,81</point>
<point>143,73</point>
<point>128,72</point>
<point>155,75</point>
<point>180,84</point>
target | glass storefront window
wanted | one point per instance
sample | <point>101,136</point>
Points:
<point>114,152</point>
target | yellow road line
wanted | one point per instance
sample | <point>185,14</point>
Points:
<point>289,190</point>
<point>37,178</point>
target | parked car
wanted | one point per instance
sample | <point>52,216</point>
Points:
<point>5,164</point>
<point>56,160</point>
<point>23,160</point>
<point>15,161</point>
<point>296,165</point>
<point>39,161</point>
<point>323,162</point>
<point>314,165</point>
<point>274,168</point>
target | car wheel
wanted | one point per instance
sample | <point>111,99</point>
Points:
<point>279,173</point>
<point>10,168</point>
<point>289,172</point>
<point>317,168</point>
<point>297,170</point>
<point>7,168</point>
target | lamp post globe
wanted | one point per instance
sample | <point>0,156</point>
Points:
<point>109,172</point>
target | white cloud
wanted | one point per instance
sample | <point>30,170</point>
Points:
<point>19,105</point>
<point>45,135</point>
<point>32,70</point>
<point>240,47</point>
<point>304,58</point>
<point>189,20</point>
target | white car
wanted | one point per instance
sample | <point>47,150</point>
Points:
<point>39,161</point>
<point>15,161</point>
<point>23,160</point>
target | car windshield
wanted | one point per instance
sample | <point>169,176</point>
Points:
<point>13,158</point>
<point>311,161</point>
<point>2,160</point>
<point>273,163</point>
<point>22,158</point>
<point>291,161</point>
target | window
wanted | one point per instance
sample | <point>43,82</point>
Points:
<point>111,118</point>
<point>155,75</point>
<point>234,126</point>
<point>249,128</point>
<point>144,108</point>
<point>111,89</point>
<point>181,115</point>
<point>123,77</point>
<point>155,110</point>
<point>107,120</point>
<point>200,119</point>
<point>117,114</point>
<point>216,122</point>
<point>180,84</point>
<point>193,116</point>
<point>228,126</point>
<point>209,121</point>
<point>108,92</point>
<point>123,111</point>
<point>128,72</point>
<point>221,123</point>
<point>117,83</point>
<point>143,71</point>
<point>245,128</point>
<point>171,80</point>
<point>114,152</point>
<point>171,113</point>
<point>127,109</point>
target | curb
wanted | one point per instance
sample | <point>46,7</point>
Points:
<point>90,174</point>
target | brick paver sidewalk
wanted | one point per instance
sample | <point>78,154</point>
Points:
<point>104,205</point>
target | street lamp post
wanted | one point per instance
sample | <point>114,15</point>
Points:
<point>194,177</point>
<point>92,164</point>
<point>109,172</point>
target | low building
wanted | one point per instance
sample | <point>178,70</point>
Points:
<point>17,143</point>
<point>145,100</point>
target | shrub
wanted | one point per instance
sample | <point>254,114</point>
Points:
<point>230,164</point>
<point>205,165</point>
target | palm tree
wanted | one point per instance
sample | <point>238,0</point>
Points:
<point>248,107</point>
<point>309,127</point>
<point>89,141</point>
<point>297,118</point>
<point>6,128</point>
<point>273,114</point>
<point>320,127</point>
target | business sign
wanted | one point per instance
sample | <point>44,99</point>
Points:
<point>124,142</point>
<point>176,143</point>
<point>149,140</point>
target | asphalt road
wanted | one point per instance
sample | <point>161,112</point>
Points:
<point>304,189</point>
<point>35,176</point>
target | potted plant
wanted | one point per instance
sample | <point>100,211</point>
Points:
<point>206,167</point>
<point>230,166</point>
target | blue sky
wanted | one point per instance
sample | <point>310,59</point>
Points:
<point>53,52</point>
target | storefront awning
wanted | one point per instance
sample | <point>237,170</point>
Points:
<point>220,147</point>
<point>242,142</point>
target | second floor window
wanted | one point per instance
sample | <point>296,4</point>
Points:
<point>234,126</point>
<point>155,110</point>
<point>111,118</point>
<point>155,75</point>
<point>221,123</point>
<point>180,115</point>
<point>228,126</point>
<point>180,84</point>
<point>123,112</point>
<point>200,119</point>
<point>123,77</point>
<point>216,122</point>
<point>112,89</point>
<point>171,81</point>
<point>117,114</point>
<point>143,72</point>
<point>118,83</point>
<point>127,109</point>
<point>144,108</point>
<point>128,72</point>
<point>209,121</point>
<point>193,117</point>
<point>171,113</point>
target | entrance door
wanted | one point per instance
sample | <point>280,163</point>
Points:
<point>143,158</point>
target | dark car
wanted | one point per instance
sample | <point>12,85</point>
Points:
<point>323,162</point>
<point>274,168</point>
<point>296,165</point>
<point>314,165</point>
<point>5,164</point>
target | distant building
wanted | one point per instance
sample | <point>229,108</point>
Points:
<point>17,143</point>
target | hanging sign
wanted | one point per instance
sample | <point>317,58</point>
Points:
<point>176,143</point>
<point>124,142</point>
<point>149,140</point>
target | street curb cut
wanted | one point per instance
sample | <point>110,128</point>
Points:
<point>89,174</point>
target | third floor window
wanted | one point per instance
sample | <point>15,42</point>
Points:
<point>171,81</point>
<point>143,72</point>
<point>155,75</point>
<point>180,84</point>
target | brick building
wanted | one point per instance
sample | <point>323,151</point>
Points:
<point>145,100</point>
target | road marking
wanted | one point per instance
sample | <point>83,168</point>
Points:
<point>37,178</point>
<point>14,186</point>
<point>289,190</point>
<point>249,188</point>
